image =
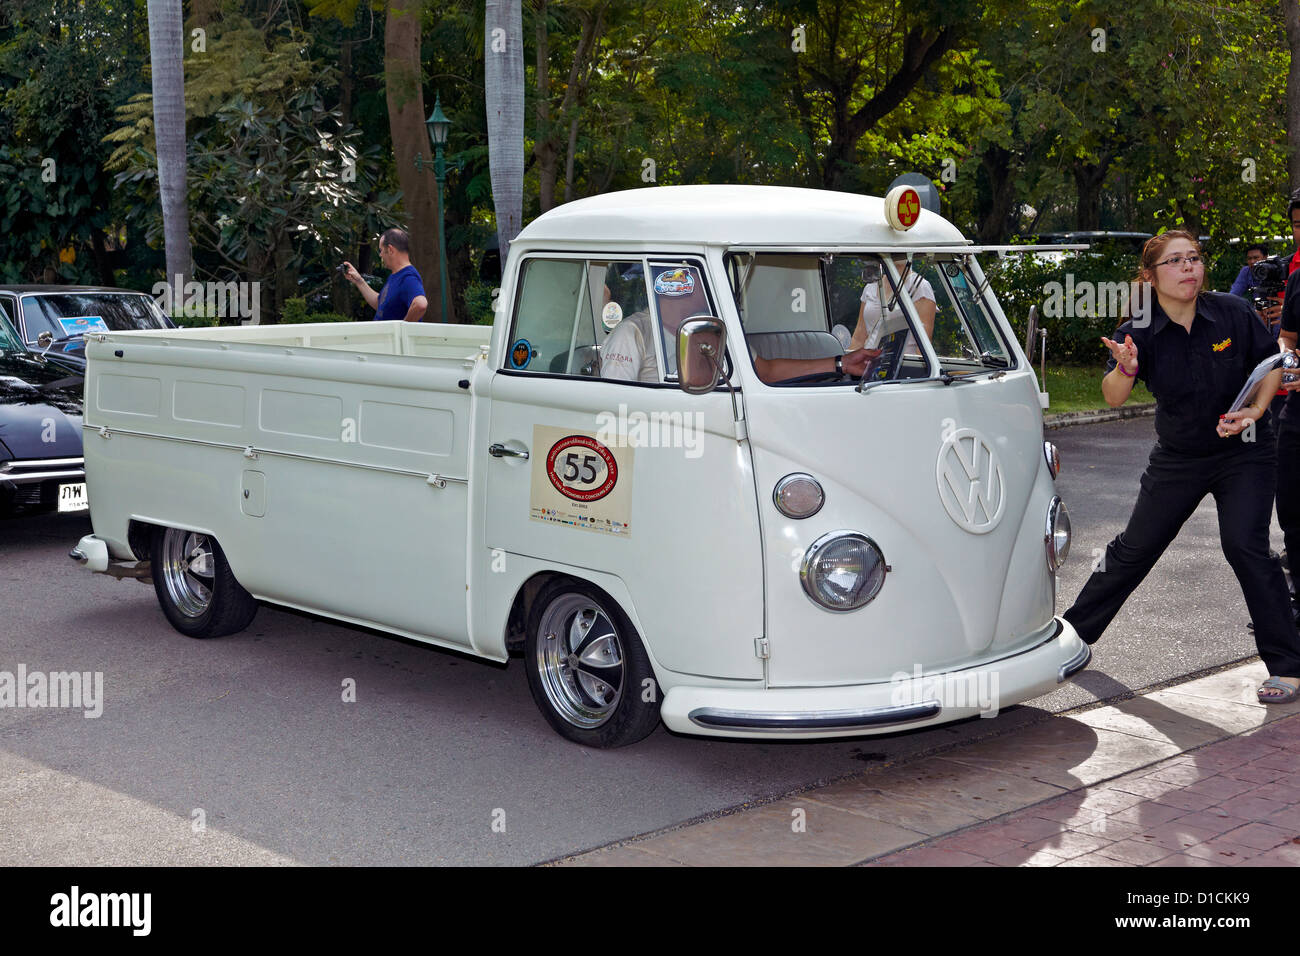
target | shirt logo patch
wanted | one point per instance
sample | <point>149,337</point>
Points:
<point>1220,346</point>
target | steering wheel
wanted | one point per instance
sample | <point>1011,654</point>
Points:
<point>809,379</point>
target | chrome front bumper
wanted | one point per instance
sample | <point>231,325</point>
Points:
<point>815,712</point>
<point>29,471</point>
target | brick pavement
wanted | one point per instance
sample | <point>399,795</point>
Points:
<point>1233,803</point>
<point>1200,774</point>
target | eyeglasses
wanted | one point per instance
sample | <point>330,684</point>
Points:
<point>1192,260</point>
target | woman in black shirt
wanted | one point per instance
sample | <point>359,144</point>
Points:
<point>1194,351</point>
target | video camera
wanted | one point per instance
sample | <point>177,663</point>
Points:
<point>1268,279</point>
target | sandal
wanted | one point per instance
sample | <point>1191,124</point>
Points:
<point>1289,692</point>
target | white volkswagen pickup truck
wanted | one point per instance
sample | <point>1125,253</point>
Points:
<point>604,482</point>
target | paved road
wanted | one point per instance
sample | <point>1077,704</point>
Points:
<point>251,729</point>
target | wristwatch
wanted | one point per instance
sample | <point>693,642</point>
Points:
<point>839,364</point>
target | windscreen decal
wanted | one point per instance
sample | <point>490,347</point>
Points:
<point>81,324</point>
<point>521,353</point>
<point>675,282</point>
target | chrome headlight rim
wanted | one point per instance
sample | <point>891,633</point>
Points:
<point>790,479</point>
<point>1056,510</point>
<point>808,580</point>
<point>1053,456</point>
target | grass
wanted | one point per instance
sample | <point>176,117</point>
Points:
<point>1074,388</point>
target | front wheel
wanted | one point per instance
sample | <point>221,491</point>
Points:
<point>196,589</point>
<point>587,670</point>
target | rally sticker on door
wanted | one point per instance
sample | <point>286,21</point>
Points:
<point>580,482</point>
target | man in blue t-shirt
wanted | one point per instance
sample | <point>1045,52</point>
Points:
<point>402,296</point>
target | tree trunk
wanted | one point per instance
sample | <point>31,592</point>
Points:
<point>550,129</point>
<point>103,265</point>
<point>165,54</point>
<point>544,141</point>
<point>286,276</point>
<point>995,220</point>
<point>1291,14</point>
<point>345,81</point>
<point>1089,178</point>
<point>342,294</point>
<point>503,74</point>
<point>921,51</point>
<point>406,116</point>
<point>568,159</point>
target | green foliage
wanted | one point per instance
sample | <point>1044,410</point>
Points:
<point>478,303</point>
<point>1180,120</point>
<point>295,313</point>
<point>60,75</point>
<point>1074,336</point>
<point>1077,388</point>
<point>1130,116</point>
<point>276,185</point>
<point>201,321</point>
<point>46,227</point>
<point>239,62</point>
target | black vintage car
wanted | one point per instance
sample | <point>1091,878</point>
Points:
<point>65,313</point>
<point>41,465</point>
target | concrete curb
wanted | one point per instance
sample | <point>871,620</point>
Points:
<point>1065,419</point>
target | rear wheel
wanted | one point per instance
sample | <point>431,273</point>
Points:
<point>196,589</point>
<point>587,670</point>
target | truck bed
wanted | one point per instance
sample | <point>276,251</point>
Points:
<point>330,461</point>
<point>373,338</point>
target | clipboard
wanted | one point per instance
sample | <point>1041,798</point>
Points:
<point>1260,372</point>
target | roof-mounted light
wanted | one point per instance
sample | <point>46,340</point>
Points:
<point>902,208</point>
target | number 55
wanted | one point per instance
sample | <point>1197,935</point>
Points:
<point>588,465</point>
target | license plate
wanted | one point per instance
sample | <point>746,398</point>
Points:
<point>73,497</point>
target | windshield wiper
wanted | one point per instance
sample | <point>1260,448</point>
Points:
<point>946,377</point>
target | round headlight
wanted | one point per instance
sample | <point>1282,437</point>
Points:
<point>798,496</point>
<point>843,571</point>
<point>1053,458</point>
<point>1058,534</point>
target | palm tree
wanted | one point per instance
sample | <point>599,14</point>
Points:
<point>165,55</point>
<point>404,90</point>
<point>503,72</point>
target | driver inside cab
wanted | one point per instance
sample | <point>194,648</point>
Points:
<point>628,354</point>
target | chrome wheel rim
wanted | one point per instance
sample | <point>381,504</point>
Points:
<point>580,660</point>
<point>187,571</point>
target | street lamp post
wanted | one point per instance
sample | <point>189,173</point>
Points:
<point>439,128</point>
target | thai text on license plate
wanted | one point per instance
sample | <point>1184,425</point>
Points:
<point>73,497</point>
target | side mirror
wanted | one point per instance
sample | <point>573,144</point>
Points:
<point>701,340</point>
<point>1032,332</point>
<point>45,339</point>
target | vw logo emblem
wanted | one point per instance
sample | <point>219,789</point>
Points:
<point>971,486</point>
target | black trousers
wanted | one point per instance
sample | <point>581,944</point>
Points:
<point>1242,481</point>
<point>1288,492</point>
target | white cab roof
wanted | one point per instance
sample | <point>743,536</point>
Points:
<point>733,216</point>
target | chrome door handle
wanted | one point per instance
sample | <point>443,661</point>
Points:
<point>501,451</point>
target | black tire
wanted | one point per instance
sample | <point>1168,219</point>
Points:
<point>203,600</point>
<point>587,668</point>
